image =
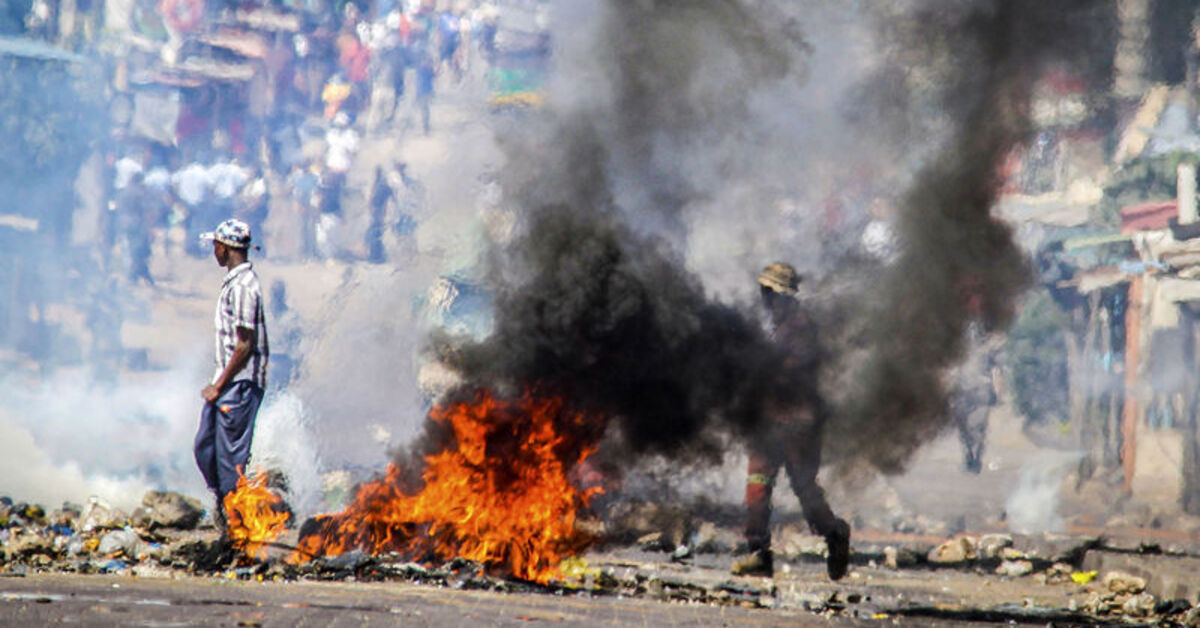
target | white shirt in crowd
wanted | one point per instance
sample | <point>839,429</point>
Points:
<point>343,144</point>
<point>158,178</point>
<point>125,168</point>
<point>227,178</point>
<point>191,183</point>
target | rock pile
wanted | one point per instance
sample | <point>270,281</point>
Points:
<point>1124,595</point>
<point>95,538</point>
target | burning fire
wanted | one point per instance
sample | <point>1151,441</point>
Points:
<point>500,495</point>
<point>255,514</point>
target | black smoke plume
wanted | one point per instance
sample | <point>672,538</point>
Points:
<point>958,263</point>
<point>593,299</point>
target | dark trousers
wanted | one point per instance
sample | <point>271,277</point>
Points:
<point>226,430</point>
<point>795,445</point>
<point>969,407</point>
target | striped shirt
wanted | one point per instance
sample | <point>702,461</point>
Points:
<point>241,305</point>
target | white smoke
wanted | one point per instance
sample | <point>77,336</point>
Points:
<point>61,440</point>
<point>283,441</point>
<point>1032,507</point>
<point>360,372</point>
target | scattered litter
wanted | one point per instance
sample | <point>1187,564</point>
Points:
<point>1083,577</point>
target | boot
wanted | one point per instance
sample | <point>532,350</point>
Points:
<point>838,543</point>
<point>219,519</point>
<point>758,563</point>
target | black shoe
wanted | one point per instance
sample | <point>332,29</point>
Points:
<point>838,543</point>
<point>973,465</point>
<point>758,563</point>
<point>219,519</point>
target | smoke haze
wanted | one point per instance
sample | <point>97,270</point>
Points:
<point>672,120</point>
<point>685,144</point>
<point>64,442</point>
<point>957,262</point>
<point>595,298</point>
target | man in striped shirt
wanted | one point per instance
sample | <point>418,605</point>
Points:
<point>232,398</point>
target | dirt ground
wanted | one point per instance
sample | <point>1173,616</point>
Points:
<point>156,601</point>
<point>112,601</point>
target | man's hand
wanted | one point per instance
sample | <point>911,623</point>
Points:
<point>241,355</point>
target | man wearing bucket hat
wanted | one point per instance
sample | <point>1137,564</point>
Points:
<point>232,398</point>
<point>790,436</point>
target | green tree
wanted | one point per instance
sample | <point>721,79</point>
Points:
<point>1037,355</point>
<point>1142,180</point>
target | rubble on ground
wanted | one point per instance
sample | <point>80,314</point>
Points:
<point>1122,583</point>
<point>168,537</point>
<point>956,550</point>
<point>1015,568</point>
<point>167,509</point>
<point>95,538</point>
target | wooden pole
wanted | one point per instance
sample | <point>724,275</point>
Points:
<point>1190,497</point>
<point>1133,355</point>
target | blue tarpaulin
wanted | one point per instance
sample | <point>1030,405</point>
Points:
<point>34,49</point>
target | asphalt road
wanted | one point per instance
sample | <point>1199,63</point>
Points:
<point>43,599</point>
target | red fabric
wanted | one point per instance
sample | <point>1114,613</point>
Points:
<point>405,28</point>
<point>190,124</point>
<point>237,137</point>
<point>354,58</point>
<point>359,70</point>
<point>758,501</point>
<point>1148,216</point>
<point>182,15</point>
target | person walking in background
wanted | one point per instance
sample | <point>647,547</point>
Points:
<point>285,360</point>
<point>136,215</point>
<point>305,185</point>
<point>426,71</point>
<point>341,142</point>
<point>381,195</point>
<point>396,57</point>
<point>790,436</point>
<point>449,38</point>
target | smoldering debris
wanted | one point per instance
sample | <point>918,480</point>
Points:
<point>163,542</point>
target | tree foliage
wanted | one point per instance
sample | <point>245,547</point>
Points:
<point>1142,180</point>
<point>1037,355</point>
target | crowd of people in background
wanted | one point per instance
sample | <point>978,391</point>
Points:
<point>304,148</point>
<point>366,66</point>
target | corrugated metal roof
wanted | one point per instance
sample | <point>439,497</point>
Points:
<point>34,49</point>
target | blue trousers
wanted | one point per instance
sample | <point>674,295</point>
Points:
<point>226,430</point>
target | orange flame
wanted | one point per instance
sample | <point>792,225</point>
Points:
<point>255,515</point>
<point>501,497</point>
